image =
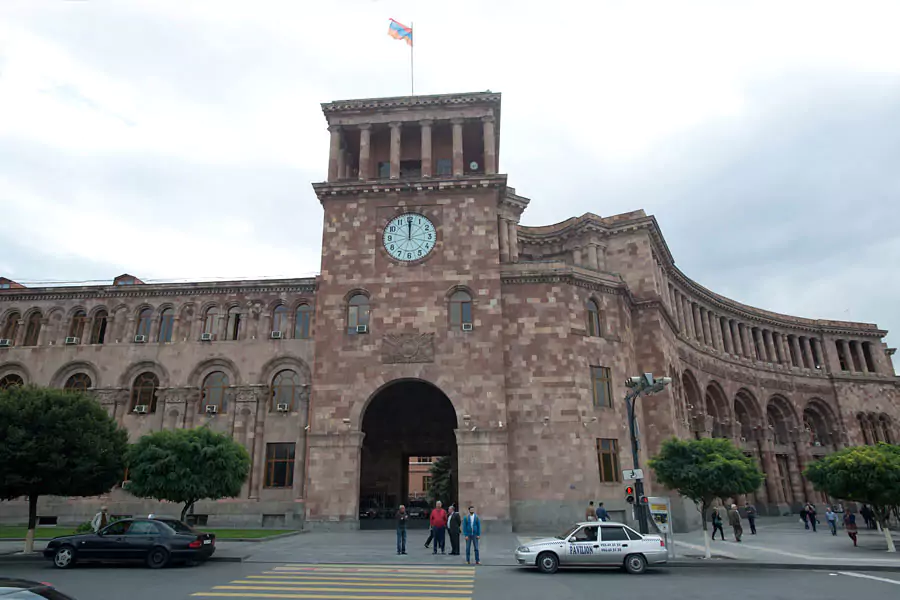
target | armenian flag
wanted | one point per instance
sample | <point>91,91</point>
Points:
<point>399,31</point>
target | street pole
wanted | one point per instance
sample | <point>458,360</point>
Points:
<point>638,483</point>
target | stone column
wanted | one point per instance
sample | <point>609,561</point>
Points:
<point>688,317</point>
<point>729,341</point>
<point>818,355</point>
<point>716,325</point>
<point>707,330</point>
<point>777,347</point>
<point>484,475</point>
<point>504,239</point>
<point>458,167</point>
<point>334,153</point>
<point>490,146</point>
<point>698,323</point>
<point>770,346</point>
<point>676,303</point>
<point>773,478</point>
<point>365,162</point>
<point>807,353</point>
<point>153,336</point>
<point>576,256</point>
<point>844,350</point>
<point>760,347</point>
<point>786,350</point>
<point>342,164</point>
<point>513,241</point>
<point>44,332</point>
<point>19,337</point>
<point>795,349</point>
<point>426,147</point>
<point>860,356</point>
<point>88,330</point>
<point>593,263</point>
<point>748,343</point>
<point>395,150</point>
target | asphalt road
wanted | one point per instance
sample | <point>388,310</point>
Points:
<point>370,582</point>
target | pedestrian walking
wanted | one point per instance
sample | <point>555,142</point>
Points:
<point>751,517</point>
<point>717,523</point>
<point>734,519</point>
<point>850,526</point>
<point>602,515</point>
<point>438,525</point>
<point>590,513</point>
<point>454,524</point>
<point>402,517</point>
<point>472,531</point>
<point>100,520</point>
<point>804,516</point>
<point>430,536</point>
<point>811,515</point>
<point>866,513</point>
<point>831,517</point>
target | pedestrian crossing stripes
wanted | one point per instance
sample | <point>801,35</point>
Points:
<point>352,582</point>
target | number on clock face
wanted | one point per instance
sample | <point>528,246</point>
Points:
<point>409,237</point>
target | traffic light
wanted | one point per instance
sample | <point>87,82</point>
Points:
<point>629,494</point>
<point>645,500</point>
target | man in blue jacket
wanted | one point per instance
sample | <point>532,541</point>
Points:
<point>472,530</point>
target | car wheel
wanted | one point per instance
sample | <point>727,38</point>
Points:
<point>64,557</point>
<point>547,562</point>
<point>635,564</point>
<point>158,558</point>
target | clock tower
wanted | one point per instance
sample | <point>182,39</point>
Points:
<point>409,329</point>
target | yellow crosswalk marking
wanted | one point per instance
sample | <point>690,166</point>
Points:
<point>350,566</point>
<point>368,569</point>
<point>357,582</point>
<point>332,588</point>
<point>316,596</point>
<point>366,574</point>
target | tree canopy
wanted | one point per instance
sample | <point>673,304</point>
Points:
<point>866,474</point>
<point>441,487</point>
<point>56,443</point>
<point>187,465</point>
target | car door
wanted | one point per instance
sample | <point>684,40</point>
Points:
<point>614,544</point>
<point>111,541</point>
<point>139,539</point>
<point>582,547</point>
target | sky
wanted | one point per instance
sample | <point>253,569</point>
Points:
<point>177,139</point>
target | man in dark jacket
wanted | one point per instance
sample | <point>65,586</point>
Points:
<point>454,523</point>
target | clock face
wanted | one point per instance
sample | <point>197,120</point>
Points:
<point>409,237</point>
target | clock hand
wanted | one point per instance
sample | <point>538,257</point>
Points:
<point>410,229</point>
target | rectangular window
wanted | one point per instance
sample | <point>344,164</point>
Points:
<point>426,483</point>
<point>608,460</point>
<point>98,331</point>
<point>279,465</point>
<point>357,315</point>
<point>384,170</point>
<point>301,327</point>
<point>600,381</point>
<point>410,169</point>
<point>166,327</point>
<point>424,459</point>
<point>444,166</point>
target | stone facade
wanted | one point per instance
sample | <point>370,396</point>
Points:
<point>525,334</point>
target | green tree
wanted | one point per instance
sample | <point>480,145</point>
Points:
<point>440,481</point>
<point>704,470</point>
<point>865,474</point>
<point>56,443</point>
<point>187,465</point>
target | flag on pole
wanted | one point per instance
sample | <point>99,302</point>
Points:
<point>399,31</point>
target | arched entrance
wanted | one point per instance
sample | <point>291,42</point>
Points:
<point>406,419</point>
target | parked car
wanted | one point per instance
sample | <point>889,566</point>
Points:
<point>418,509</point>
<point>595,544</point>
<point>22,589</point>
<point>157,542</point>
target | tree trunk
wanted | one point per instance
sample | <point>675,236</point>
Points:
<point>187,507</point>
<point>886,531</point>
<point>32,523</point>
<point>703,509</point>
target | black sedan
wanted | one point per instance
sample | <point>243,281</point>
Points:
<point>154,541</point>
<point>22,589</point>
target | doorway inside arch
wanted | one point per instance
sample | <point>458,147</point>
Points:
<point>407,422</point>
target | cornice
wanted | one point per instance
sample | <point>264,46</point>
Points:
<point>411,102</point>
<point>331,189</point>
<point>558,272</point>
<point>299,286</point>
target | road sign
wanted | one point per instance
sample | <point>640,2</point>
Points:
<point>629,474</point>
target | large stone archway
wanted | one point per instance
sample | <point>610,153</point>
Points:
<point>404,419</point>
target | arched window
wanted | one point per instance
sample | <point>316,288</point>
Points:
<point>886,433</point>
<point>7,381</point>
<point>144,391</point>
<point>863,426</point>
<point>593,319</point>
<point>98,329</point>
<point>460,309</point>
<point>280,318</point>
<point>78,382</point>
<point>211,321</point>
<point>215,391</point>
<point>286,390</point>
<point>145,317</point>
<point>302,322</point>
<point>33,329</point>
<point>166,325</point>
<point>76,328</point>
<point>233,327</point>
<point>358,314</point>
<point>11,328</point>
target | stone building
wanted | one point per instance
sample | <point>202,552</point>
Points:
<point>440,326</point>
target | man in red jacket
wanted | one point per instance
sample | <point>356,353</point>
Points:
<point>438,523</point>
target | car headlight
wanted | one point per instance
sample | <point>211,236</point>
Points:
<point>523,549</point>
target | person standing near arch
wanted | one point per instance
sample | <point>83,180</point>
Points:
<point>472,531</point>
<point>438,524</point>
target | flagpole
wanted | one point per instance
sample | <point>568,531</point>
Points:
<point>412,81</point>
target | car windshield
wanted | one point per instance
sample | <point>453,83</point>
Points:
<point>178,526</point>
<point>568,532</point>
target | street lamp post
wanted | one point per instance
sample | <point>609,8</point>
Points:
<point>644,384</point>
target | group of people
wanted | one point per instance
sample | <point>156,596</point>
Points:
<point>441,524</point>
<point>595,514</point>
<point>734,519</point>
<point>808,514</point>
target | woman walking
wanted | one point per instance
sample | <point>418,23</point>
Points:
<point>717,523</point>
<point>850,526</point>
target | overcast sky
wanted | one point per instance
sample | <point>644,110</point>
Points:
<point>178,138</point>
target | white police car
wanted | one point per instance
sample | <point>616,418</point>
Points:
<point>595,544</point>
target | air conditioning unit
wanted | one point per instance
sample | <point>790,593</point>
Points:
<point>276,335</point>
<point>743,439</point>
<point>211,409</point>
<point>283,407</point>
<point>467,327</point>
<point>72,340</point>
<point>5,343</point>
<point>817,444</point>
<point>362,329</point>
<point>141,409</point>
<point>140,339</point>
<point>206,337</point>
